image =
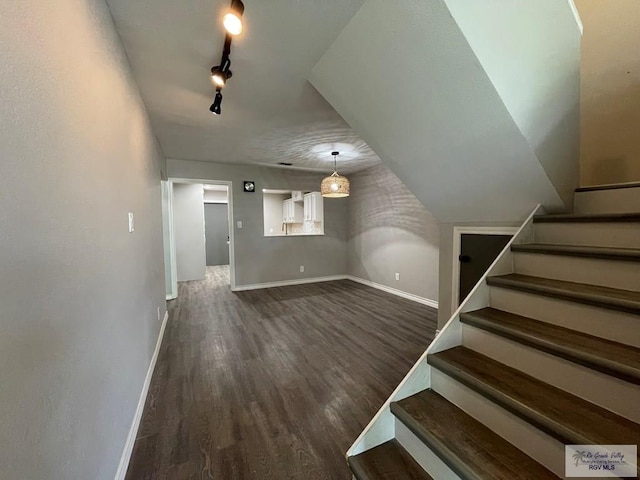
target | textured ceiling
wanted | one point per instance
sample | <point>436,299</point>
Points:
<point>270,112</point>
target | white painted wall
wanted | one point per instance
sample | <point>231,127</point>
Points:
<point>531,53</point>
<point>216,196</point>
<point>272,211</point>
<point>413,88</point>
<point>188,224</point>
<point>79,294</point>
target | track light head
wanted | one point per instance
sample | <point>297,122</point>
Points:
<point>219,76</point>
<point>215,107</point>
<point>233,19</point>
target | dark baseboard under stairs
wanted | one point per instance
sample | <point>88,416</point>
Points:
<point>470,448</point>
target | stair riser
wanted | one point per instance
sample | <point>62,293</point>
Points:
<point>421,453</point>
<point>623,234</point>
<point>610,324</point>
<point>624,200</point>
<point>607,273</point>
<point>538,445</point>
<point>604,390</point>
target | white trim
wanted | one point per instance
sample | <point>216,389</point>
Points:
<point>172,247</point>
<point>232,249</point>
<point>168,213</point>
<point>458,231</point>
<point>395,291</point>
<point>333,278</point>
<point>287,283</point>
<point>576,15</point>
<point>133,431</point>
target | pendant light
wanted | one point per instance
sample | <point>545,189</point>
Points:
<point>335,185</point>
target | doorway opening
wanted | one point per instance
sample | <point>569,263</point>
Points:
<point>474,250</point>
<point>199,219</point>
<point>216,229</point>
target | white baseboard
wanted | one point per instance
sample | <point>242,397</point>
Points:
<point>369,283</point>
<point>395,291</point>
<point>286,283</point>
<point>133,431</point>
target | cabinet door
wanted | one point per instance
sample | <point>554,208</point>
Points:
<point>308,206</point>
<point>285,211</point>
<point>317,207</point>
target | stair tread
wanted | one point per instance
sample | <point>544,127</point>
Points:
<point>624,300</point>
<point>608,186</point>
<point>613,358</point>
<point>470,449</point>
<point>612,253</point>
<point>566,417</point>
<point>388,461</point>
<point>587,217</point>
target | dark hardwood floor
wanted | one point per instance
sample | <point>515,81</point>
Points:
<point>274,383</point>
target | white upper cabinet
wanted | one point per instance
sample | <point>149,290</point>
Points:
<point>313,207</point>
<point>292,212</point>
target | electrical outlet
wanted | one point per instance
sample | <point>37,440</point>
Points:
<point>397,276</point>
<point>301,268</point>
<point>158,313</point>
<point>239,223</point>
<point>131,226</point>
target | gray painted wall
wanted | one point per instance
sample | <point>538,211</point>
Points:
<point>216,231</point>
<point>391,231</point>
<point>188,224</point>
<point>79,294</point>
<point>260,259</point>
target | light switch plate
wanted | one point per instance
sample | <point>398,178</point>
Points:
<point>131,225</point>
<point>239,223</point>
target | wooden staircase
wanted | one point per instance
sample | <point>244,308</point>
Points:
<point>552,360</point>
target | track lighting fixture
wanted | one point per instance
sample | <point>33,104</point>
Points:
<point>233,19</point>
<point>217,103</point>
<point>221,73</point>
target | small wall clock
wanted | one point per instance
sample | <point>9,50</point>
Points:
<point>249,186</point>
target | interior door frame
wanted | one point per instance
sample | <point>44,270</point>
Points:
<point>171,245</point>
<point>232,256</point>
<point>458,231</point>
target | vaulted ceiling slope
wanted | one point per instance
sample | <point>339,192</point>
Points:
<point>270,112</point>
<point>473,107</point>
